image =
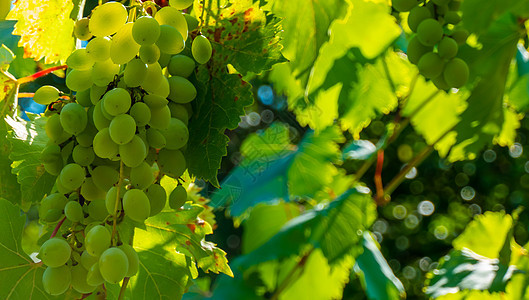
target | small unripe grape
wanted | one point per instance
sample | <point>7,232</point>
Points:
<point>182,90</point>
<point>51,154</point>
<point>83,98</point>
<point>440,82</point>
<point>155,138</point>
<point>104,146</point>
<point>460,36</point>
<point>201,49</point>
<point>78,80</point>
<point>153,77</point>
<point>97,209</point>
<point>81,30</point>
<point>54,129</point>
<point>103,72</point>
<point>100,121</point>
<point>135,73</point>
<point>96,93</point>
<point>73,118</point>
<point>171,162</point>
<point>192,22</point>
<point>107,19</point>
<point>83,156</point>
<point>170,40</point>
<point>56,280</point>
<point>79,280</point>
<point>94,275</point>
<point>133,153</point>
<point>90,191</point>
<point>417,15</point>
<point>180,4</point>
<point>80,60</point>
<point>431,65</point>
<point>111,197</point>
<point>456,73</point>
<point>132,256</point>
<point>163,89</point>
<point>73,211</point>
<point>113,265</point>
<point>123,47</point>
<point>452,17</point>
<point>141,176</point>
<point>181,65</point>
<point>117,101</point>
<point>99,48</point>
<point>149,54</point>
<point>136,205</point>
<point>429,32</point>
<point>179,112</point>
<point>146,30</point>
<point>72,176</point>
<point>157,197</point>
<point>404,5</point>
<point>55,167</point>
<point>55,252</point>
<point>141,113</point>
<point>97,240</point>
<point>122,129</point>
<point>172,17</point>
<point>105,177</point>
<point>178,197</point>
<point>60,188</point>
<point>447,48</point>
<point>86,137</point>
<point>176,134</point>
<point>87,260</point>
<point>164,59</point>
<point>160,117</point>
<point>46,94</point>
<point>155,101</point>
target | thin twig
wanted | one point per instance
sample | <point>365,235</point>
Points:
<point>115,214</point>
<point>40,74</point>
<point>290,276</point>
<point>57,227</point>
<point>123,288</point>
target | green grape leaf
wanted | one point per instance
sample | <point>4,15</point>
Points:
<point>45,28</point>
<point>21,278</point>
<point>28,139</point>
<point>6,57</point>
<point>489,11</point>
<point>518,95</point>
<point>359,150</point>
<point>473,295</point>
<point>20,66</point>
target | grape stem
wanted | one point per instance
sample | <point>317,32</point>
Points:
<point>118,192</point>
<point>292,275</point>
<point>123,288</point>
<point>40,74</point>
<point>56,229</point>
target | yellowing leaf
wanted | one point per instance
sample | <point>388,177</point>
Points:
<point>45,28</point>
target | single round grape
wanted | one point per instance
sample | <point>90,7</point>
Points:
<point>99,48</point>
<point>72,176</point>
<point>132,256</point>
<point>180,4</point>
<point>460,36</point>
<point>50,153</point>
<point>431,65</point>
<point>146,30</point>
<point>86,137</point>
<point>97,240</point>
<point>447,48</point>
<point>78,80</point>
<point>201,49</point>
<point>456,73</point>
<point>172,17</point>
<point>73,211</point>
<point>96,93</point>
<point>81,30</point>
<point>117,101</point>
<point>179,112</point>
<point>171,162</point>
<point>133,153</point>
<point>141,113</point>
<point>83,98</point>
<point>113,265</point>
<point>73,118</point>
<point>55,252</point>
<point>155,101</point>
<point>141,176</point>
<point>122,129</point>
<point>123,47</point>
<point>192,22</point>
<point>160,117</point>
<point>452,17</point>
<point>83,156</point>
<point>136,205</point>
<point>97,210</point>
<point>417,15</point>
<point>104,146</point>
<point>181,65</point>
<point>55,167</point>
<point>182,90</point>
<point>164,59</point>
<point>149,54</point>
<point>157,198</point>
<point>440,82</point>
<point>170,40</point>
<point>54,129</point>
<point>60,188</point>
<point>103,72</point>
<point>105,177</point>
<point>135,72</point>
<point>94,275</point>
<point>104,111</point>
<point>52,215</point>
<point>163,89</point>
<point>404,5</point>
<point>429,32</point>
<point>178,197</point>
<point>87,260</point>
<point>79,280</point>
<point>155,138</point>
<point>56,280</point>
<point>110,200</point>
<point>80,60</point>
<point>46,94</point>
<point>100,121</point>
<point>176,134</point>
<point>153,77</point>
<point>107,19</point>
<point>90,191</point>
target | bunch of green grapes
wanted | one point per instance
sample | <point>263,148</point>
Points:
<point>112,142</point>
<point>436,43</point>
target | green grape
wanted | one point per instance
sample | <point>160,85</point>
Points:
<point>56,280</point>
<point>417,15</point>
<point>77,80</point>
<point>55,252</point>
<point>171,162</point>
<point>404,5</point>
<point>104,72</point>
<point>113,265</point>
<point>54,129</point>
<point>94,275</point>
<point>155,101</point>
<point>99,48</point>
<point>110,199</point>
<point>80,60</point>
<point>90,191</point>
<point>431,65</point>
<point>164,59</point>
<point>79,280</point>
<point>455,5</point>
<point>132,257</point>
<point>182,90</point>
<point>97,240</point>
<point>440,82</point>
<point>456,73</point>
<point>153,78</point>
<point>192,22</point>
<point>163,89</point>
<point>429,32</point>
<point>160,117</point>
<point>180,4</point>
<point>46,94</point>
<point>60,188</point>
<point>133,153</point>
<point>452,17</point>
<point>176,134</point>
<point>136,205</point>
<point>447,48</point>
<point>142,133</point>
<point>155,138</point>
<point>201,49</point>
<point>83,156</point>
<point>104,111</point>
<point>73,211</point>
<point>104,146</point>
<point>53,163</point>
<point>86,137</point>
<point>105,177</point>
<point>73,118</point>
<point>53,215</point>
<point>178,197</point>
<point>117,101</point>
<point>178,111</point>
<point>460,36</point>
<point>72,176</point>
<point>174,18</point>
<point>97,210</point>
<point>96,93</point>
<point>441,2</point>
<point>170,40</point>
<point>149,54</point>
<point>81,30</point>
<point>141,113</point>
<point>146,30</point>
<point>181,65</point>
<point>100,121</point>
<point>107,19</point>
<point>83,98</point>
<point>141,176</point>
<point>122,129</point>
<point>151,156</point>
<point>123,47</point>
<point>50,153</point>
<point>87,260</point>
<point>157,197</point>
<point>135,73</point>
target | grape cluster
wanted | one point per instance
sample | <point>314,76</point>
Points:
<point>436,43</point>
<point>111,143</point>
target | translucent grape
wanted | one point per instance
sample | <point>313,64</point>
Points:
<point>113,265</point>
<point>155,101</point>
<point>94,275</point>
<point>136,205</point>
<point>117,101</point>
<point>73,118</point>
<point>83,156</point>
<point>81,30</point>
<point>88,260</point>
<point>160,117</point>
<point>171,162</point>
<point>146,30</point>
<point>174,18</point>
<point>429,32</point>
<point>97,240</point>
<point>192,22</point>
<point>153,78</point>
<point>90,191</point>
<point>164,59</point>
<point>103,72</point>
<point>80,60</point>
<point>96,93</point>
<point>135,73</point>
<point>460,36</point>
<point>46,94</point>
<point>180,4</point>
<point>181,65</point>
<point>155,138</point>
<point>79,280</point>
<point>99,48</point>
<point>55,252</point>
<point>77,80</point>
<point>132,256</point>
<point>73,211</point>
<point>440,82</point>
<point>56,280</point>
<point>170,40</point>
<point>104,146</point>
<point>163,89</point>
<point>86,137</point>
<point>176,134</point>
<point>107,19</point>
<point>72,176</point>
<point>452,17</point>
<point>149,54</point>
<point>178,111</point>
<point>104,111</point>
<point>417,15</point>
<point>100,121</point>
<point>51,153</point>
<point>456,73</point>
<point>54,129</point>
<point>141,176</point>
<point>178,197</point>
<point>97,210</point>
<point>141,113</point>
<point>182,90</point>
<point>105,177</point>
<point>110,199</point>
<point>122,129</point>
<point>201,49</point>
<point>123,48</point>
<point>431,65</point>
<point>157,197</point>
<point>447,48</point>
<point>133,153</point>
<point>83,98</point>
